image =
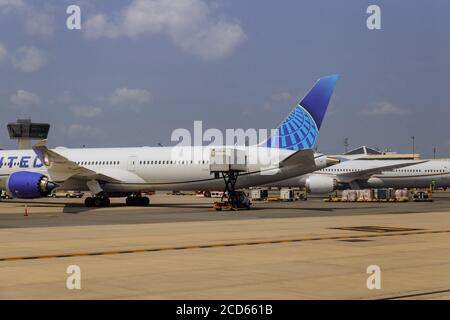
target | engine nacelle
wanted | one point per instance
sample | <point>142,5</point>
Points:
<point>320,184</point>
<point>29,185</point>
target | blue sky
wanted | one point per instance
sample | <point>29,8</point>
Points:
<point>139,69</point>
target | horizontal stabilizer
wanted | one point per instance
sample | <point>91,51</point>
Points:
<point>298,158</point>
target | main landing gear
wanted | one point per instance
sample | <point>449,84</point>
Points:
<point>136,199</point>
<point>103,201</point>
<point>97,201</point>
<point>99,197</point>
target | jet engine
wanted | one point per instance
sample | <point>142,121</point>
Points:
<point>320,184</point>
<point>29,185</point>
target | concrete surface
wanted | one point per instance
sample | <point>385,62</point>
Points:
<point>179,249</point>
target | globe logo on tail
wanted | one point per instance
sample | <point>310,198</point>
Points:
<point>300,130</point>
<point>297,132</point>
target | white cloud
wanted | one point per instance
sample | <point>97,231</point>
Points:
<point>281,96</point>
<point>3,53</point>
<point>24,98</point>
<point>125,96</point>
<point>277,99</point>
<point>99,26</point>
<point>383,108</point>
<point>188,23</point>
<point>78,131</point>
<point>64,98</point>
<point>29,59</point>
<point>86,112</point>
<point>38,24</point>
<point>35,22</point>
<point>9,5</point>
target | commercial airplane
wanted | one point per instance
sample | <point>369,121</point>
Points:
<point>110,172</point>
<point>360,174</point>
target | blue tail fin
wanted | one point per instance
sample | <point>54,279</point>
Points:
<point>300,129</point>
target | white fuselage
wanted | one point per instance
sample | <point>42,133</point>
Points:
<point>151,168</point>
<point>434,172</point>
<point>420,175</point>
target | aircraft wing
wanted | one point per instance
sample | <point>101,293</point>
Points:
<point>60,168</point>
<point>366,173</point>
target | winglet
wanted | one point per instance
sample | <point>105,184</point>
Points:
<point>41,143</point>
<point>40,148</point>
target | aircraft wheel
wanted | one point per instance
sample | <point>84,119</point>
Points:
<point>144,201</point>
<point>106,202</point>
<point>98,202</point>
<point>130,201</point>
<point>89,202</point>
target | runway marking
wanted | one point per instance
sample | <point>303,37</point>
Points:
<point>376,229</point>
<point>221,245</point>
<point>412,295</point>
<point>355,240</point>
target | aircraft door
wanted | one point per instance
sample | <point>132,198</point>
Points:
<point>132,161</point>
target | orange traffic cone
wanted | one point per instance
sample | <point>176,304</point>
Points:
<point>26,211</point>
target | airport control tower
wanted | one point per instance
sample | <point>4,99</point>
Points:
<point>25,131</point>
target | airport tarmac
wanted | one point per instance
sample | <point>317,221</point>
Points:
<point>179,248</point>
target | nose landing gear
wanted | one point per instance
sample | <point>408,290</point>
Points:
<point>234,199</point>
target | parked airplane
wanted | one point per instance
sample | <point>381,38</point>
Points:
<point>434,173</point>
<point>359,174</point>
<point>109,172</point>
